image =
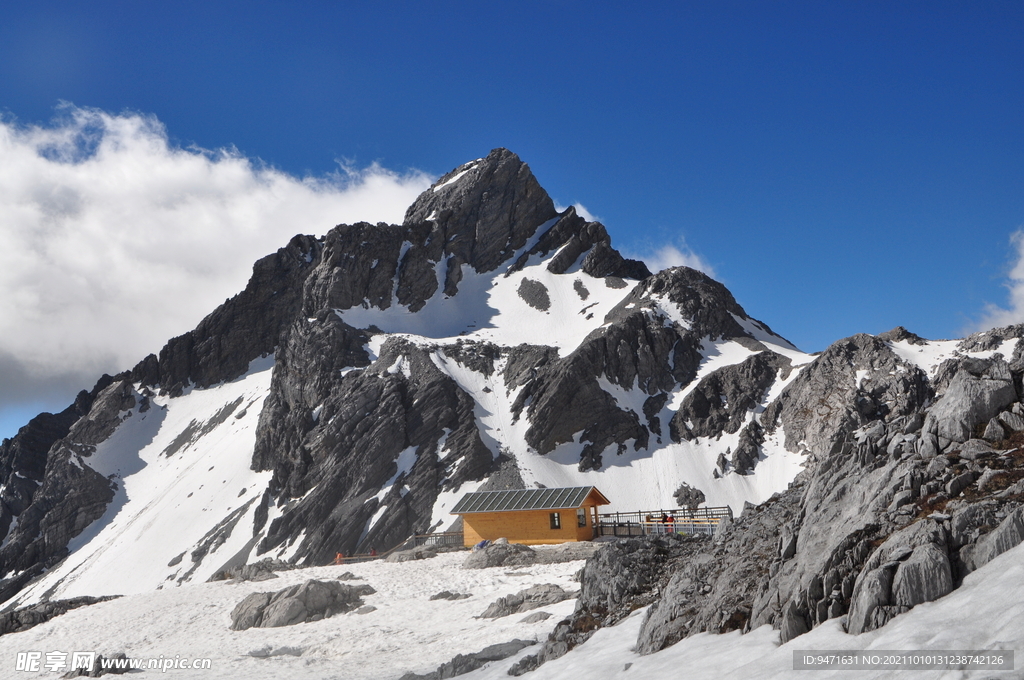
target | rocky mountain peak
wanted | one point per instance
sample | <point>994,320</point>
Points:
<point>486,209</point>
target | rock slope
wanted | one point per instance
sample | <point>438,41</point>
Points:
<point>914,478</point>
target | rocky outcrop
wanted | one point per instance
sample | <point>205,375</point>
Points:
<point>533,597</point>
<point>70,495</point>
<point>448,595</point>
<point>619,579</point>
<point>27,617</point>
<point>244,328</point>
<point>411,555</point>
<point>23,457</point>
<point>303,603</point>
<point>639,348</point>
<point>688,497</point>
<point>464,663</point>
<point>723,401</point>
<point>264,570</point>
<point>1008,534</point>
<point>979,390</point>
<point>854,382</point>
<point>501,554</point>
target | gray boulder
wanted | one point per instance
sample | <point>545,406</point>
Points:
<point>525,600</point>
<point>923,577</point>
<point>411,555</point>
<point>794,623</point>
<point>787,544</point>
<point>900,544</point>
<point>1008,534</point>
<point>249,612</point>
<point>310,601</point>
<point>972,449</point>
<point>501,555</point>
<point>535,617</point>
<point>1012,421</point>
<point>959,483</point>
<point>448,595</point>
<point>978,392</point>
<point>872,589</point>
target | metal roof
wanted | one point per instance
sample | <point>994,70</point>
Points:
<point>524,499</point>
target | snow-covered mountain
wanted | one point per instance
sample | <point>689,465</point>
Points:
<point>365,380</point>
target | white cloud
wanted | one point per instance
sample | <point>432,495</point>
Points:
<point>657,258</point>
<point>581,210</point>
<point>673,255</point>
<point>995,316</point>
<point>112,240</point>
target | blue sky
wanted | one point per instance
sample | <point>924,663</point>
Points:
<point>842,167</point>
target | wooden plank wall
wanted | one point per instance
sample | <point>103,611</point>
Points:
<point>530,527</point>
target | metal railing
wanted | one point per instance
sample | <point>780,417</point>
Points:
<point>648,522</point>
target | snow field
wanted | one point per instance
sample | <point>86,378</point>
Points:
<point>407,632</point>
<point>181,467</point>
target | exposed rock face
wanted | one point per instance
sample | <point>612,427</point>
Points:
<point>23,464</point>
<point>722,400</point>
<point>245,327</point>
<point>1008,534</point>
<point>829,400</point>
<point>307,602</point>
<point>641,347</point>
<point>718,586</point>
<point>979,390</point>
<point>70,495</point>
<point>483,211</point>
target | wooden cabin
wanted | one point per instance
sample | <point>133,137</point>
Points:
<point>530,516</point>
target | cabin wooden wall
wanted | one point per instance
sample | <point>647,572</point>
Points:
<point>530,527</point>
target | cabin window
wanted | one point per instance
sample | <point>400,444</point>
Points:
<point>581,517</point>
<point>556,520</point>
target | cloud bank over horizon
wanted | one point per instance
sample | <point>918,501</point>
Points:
<point>115,240</point>
<point>993,315</point>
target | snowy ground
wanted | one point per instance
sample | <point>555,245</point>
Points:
<point>408,632</point>
<point>181,467</point>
